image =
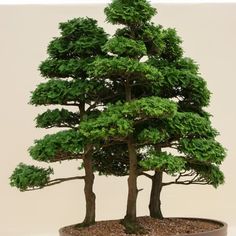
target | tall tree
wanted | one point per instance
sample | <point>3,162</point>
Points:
<point>68,85</point>
<point>119,123</point>
<point>182,145</point>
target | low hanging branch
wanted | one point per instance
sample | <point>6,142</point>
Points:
<point>56,181</point>
<point>194,180</point>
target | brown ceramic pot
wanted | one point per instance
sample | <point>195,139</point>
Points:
<point>222,231</point>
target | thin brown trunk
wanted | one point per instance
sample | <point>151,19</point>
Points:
<point>90,196</point>
<point>130,219</point>
<point>132,183</point>
<point>155,202</point>
<point>88,191</point>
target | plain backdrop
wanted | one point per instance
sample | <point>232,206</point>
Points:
<point>209,37</point>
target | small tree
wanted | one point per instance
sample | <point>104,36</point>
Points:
<point>68,86</point>
<point>162,109</point>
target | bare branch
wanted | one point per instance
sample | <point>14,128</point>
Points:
<point>56,181</point>
<point>60,180</point>
<point>195,179</point>
<point>147,175</point>
<point>69,104</point>
<point>139,190</point>
<point>185,183</point>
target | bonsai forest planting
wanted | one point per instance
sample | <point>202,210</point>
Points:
<point>130,104</point>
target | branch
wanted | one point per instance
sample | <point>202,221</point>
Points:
<point>56,181</point>
<point>59,126</point>
<point>68,104</point>
<point>139,190</point>
<point>98,102</point>
<point>94,105</point>
<point>195,180</point>
<point>147,175</point>
<point>67,157</point>
<point>185,183</point>
<point>60,180</point>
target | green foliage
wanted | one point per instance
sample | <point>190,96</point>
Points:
<point>57,118</point>
<point>205,150</point>
<point>148,107</point>
<point>123,67</point>
<point>210,172</point>
<point>65,92</point>
<point>163,161</point>
<point>85,68</point>
<point>118,119</point>
<point>106,126</point>
<point>152,36</point>
<point>80,37</point>
<point>65,68</point>
<point>111,160</point>
<point>129,12</point>
<point>27,176</point>
<point>189,125</point>
<point>182,80</point>
<point>62,145</point>
<point>182,64</point>
<point>172,49</point>
<point>125,47</point>
<point>152,135</point>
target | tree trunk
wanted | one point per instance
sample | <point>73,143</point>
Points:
<point>132,183</point>
<point>88,179</point>
<point>88,191</point>
<point>155,202</point>
<point>130,219</point>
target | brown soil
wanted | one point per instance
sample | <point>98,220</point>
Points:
<point>154,227</point>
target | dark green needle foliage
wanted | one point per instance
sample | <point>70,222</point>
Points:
<point>63,145</point>
<point>129,12</point>
<point>26,176</point>
<point>58,118</point>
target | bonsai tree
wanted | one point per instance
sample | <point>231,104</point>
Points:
<point>69,86</point>
<point>190,124</point>
<point>162,109</point>
<point>140,108</point>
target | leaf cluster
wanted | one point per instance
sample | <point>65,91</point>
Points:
<point>65,92</point>
<point>67,144</point>
<point>57,118</point>
<point>28,176</point>
<point>163,161</point>
<point>210,172</point>
<point>125,47</point>
<point>124,67</point>
<point>129,12</point>
<point>65,68</point>
<point>118,119</point>
<point>204,150</point>
<point>80,37</point>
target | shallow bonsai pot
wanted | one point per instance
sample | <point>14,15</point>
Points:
<point>221,231</point>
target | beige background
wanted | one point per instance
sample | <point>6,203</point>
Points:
<point>209,34</point>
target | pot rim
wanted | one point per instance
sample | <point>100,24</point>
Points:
<point>222,229</point>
